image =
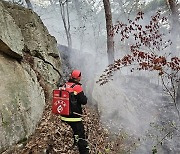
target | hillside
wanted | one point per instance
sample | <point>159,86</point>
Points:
<point>53,136</point>
<point>30,69</point>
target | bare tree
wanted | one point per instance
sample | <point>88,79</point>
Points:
<point>77,4</point>
<point>110,39</point>
<point>52,2</point>
<point>21,2</point>
<point>29,5</point>
<point>65,17</point>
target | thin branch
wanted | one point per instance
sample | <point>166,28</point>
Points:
<point>172,96</point>
<point>171,131</point>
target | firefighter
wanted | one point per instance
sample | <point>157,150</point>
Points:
<point>75,119</point>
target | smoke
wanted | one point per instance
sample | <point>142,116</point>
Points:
<point>132,102</point>
<point>138,106</point>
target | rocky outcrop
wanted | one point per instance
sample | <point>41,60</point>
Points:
<point>11,39</point>
<point>30,68</point>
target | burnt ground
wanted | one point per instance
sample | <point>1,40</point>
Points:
<point>55,137</point>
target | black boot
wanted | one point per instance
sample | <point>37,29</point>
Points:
<point>83,146</point>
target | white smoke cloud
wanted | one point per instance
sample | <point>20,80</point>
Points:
<point>131,101</point>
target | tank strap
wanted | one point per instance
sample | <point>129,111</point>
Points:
<point>71,119</point>
<point>72,86</point>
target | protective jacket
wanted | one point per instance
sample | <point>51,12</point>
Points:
<point>81,100</point>
<point>74,120</point>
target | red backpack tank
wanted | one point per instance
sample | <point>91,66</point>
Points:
<point>62,98</point>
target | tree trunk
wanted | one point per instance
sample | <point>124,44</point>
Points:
<point>81,23</point>
<point>66,21</point>
<point>178,94</point>
<point>110,39</point>
<point>174,25</point>
<point>29,5</point>
<point>175,33</point>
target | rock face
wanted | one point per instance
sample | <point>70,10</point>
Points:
<point>30,67</point>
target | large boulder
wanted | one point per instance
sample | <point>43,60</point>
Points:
<point>30,68</point>
<point>21,101</point>
<point>37,41</point>
<point>11,39</point>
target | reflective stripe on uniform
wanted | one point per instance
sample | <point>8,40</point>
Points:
<point>71,119</point>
